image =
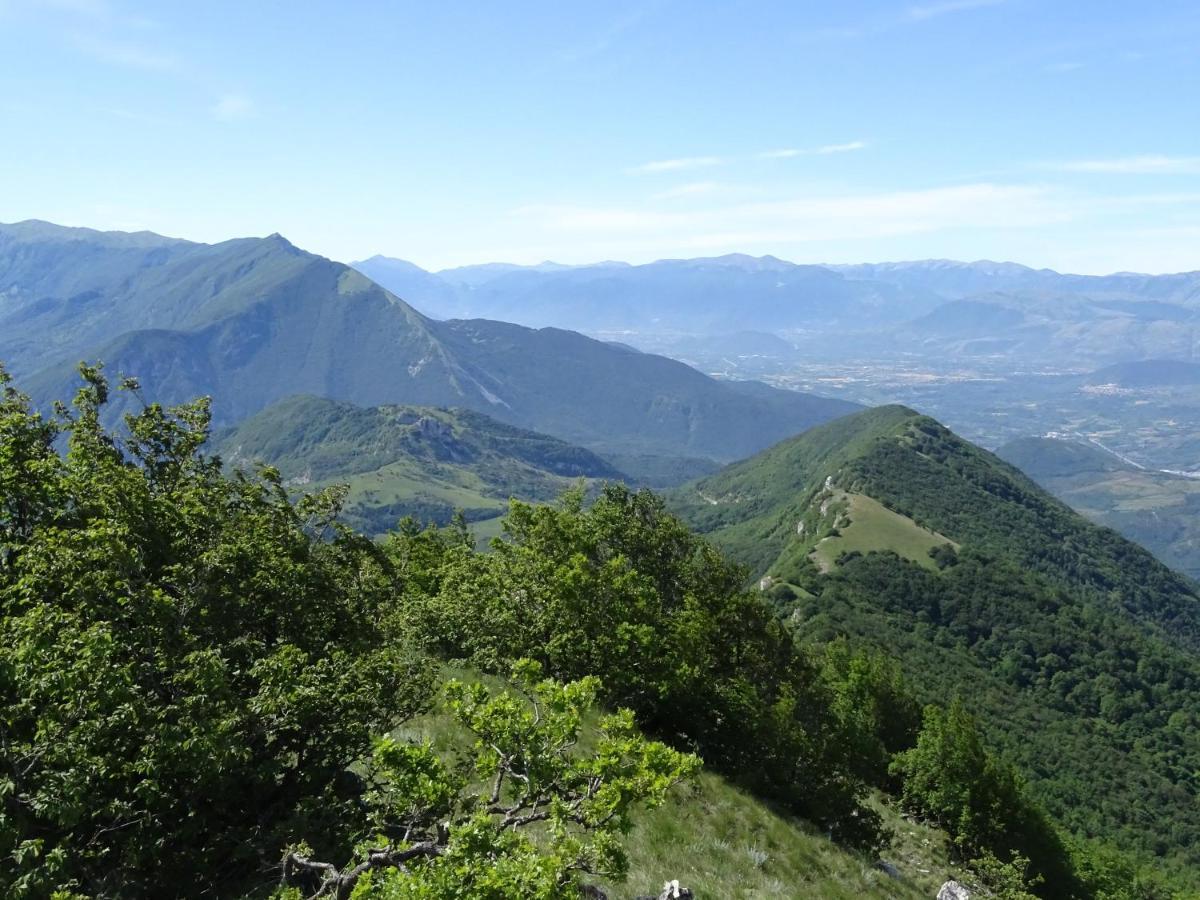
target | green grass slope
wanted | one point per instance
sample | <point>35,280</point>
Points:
<point>763,506</point>
<point>1077,649</point>
<point>724,843</point>
<point>409,460</point>
<point>864,525</point>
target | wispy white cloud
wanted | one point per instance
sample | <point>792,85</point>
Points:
<point>681,164</point>
<point>125,53</point>
<point>590,218</point>
<point>1147,164</point>
<point>92,8</point>
<point>92,11</point>
<point>1066,227</point>
<point>694,189</point>
<point>1064,67</point>
<point>686,163</point>
<point>98,29</point>
<point>816,218</point>
<point>824,150</point>
<point>1190,200</point>
<point>232,108</point>
<point>1184,232</point>
<point>1169,248</point>
<point>933,10</point>
<point>848,147</point>
<point>606,37</point>
<point>886,20</point>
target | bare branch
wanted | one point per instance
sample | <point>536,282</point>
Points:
<point>338,884</point>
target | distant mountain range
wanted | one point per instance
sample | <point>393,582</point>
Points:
<point>1148,373</point>
<point>253,321</point>
<point>953,280</point>
<point>1076,647</point>
<point>930,308</point>
<point>700,296</point>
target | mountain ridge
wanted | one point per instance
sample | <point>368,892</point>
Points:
<point>1155,508</point>
<point>1077,647</point>
<point>403,460</point>
<point>252,320</point>
<point>1036,315</point>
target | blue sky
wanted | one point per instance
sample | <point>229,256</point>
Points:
<point>1064,134</point>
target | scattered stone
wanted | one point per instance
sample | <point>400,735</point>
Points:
<point>432,428</point>
<point>887,868</point>
<point>952,890</point>
<point>672,890</point>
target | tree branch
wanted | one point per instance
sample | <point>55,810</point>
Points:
<point>338,884</point>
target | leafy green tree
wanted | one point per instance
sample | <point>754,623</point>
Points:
<point>525,814</point>
<point>624,591</point>
<point>1110,874</point>
<point>878,715</point>
<point>421,557</point>
<point>950,779</point>
<point>1006,880</point>
<point>189,663</point>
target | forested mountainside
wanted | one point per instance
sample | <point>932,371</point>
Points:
<point>398,461</point>
<point>1078,650</point>
<point>252,321</point>
<point>1155,508</point>
<point>211,688</point>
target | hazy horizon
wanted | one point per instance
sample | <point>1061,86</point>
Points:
<point>1056,136</point>
<point>619,262</point>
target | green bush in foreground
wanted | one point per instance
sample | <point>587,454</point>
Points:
<point>525,814</point>
<point>189,663</point>
<point>193,668</point>
<point>624,591</point>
